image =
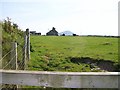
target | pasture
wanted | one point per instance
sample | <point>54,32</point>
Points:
<point>68,53</point>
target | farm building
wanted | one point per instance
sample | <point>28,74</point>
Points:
<point>37,33</point>
<point>32,32</point>
<point>52,32</point>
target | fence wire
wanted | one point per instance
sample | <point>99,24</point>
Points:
<point>8,59</point>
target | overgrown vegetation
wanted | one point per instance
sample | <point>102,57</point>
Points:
<point>57,53</point>
<point>10,33</point>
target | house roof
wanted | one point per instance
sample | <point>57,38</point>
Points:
<point>53,30</point>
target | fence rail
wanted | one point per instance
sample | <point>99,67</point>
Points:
<point>61,79</point>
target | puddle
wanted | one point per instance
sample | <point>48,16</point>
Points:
<point>106,65</point>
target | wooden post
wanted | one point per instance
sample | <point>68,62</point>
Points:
<point>13,64</point>
<point>24,52</point>
<point>28,43</point>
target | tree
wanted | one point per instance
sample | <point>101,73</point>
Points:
<point>74,35</point>
<point>7,25</point>
<point>15,26</point>
<point>63,34</point>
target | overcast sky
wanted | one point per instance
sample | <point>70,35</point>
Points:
<point>83,17</point>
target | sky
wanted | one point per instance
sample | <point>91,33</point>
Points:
<point>82,17</point>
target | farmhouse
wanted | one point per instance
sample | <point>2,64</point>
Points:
<point>52,32</point>
<point>32,32</point>
<point>37,33</point>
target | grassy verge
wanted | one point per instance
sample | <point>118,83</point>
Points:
<point>54,53</point>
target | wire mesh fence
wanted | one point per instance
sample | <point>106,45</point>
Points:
<point>15,54</point>
<point>14,57</point>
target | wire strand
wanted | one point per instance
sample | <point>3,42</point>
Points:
<point>17,53</point>
<point>6,54</point>
<point>13,57</point>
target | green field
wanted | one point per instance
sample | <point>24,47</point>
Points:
<point>55,53</point>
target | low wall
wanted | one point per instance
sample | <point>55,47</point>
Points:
<point>61,79</point>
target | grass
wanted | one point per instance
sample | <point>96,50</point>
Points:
<point>53,53</point>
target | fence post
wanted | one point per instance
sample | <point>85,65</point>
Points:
<point>13,64</point>
<point>24,52</point>
<point>28,43</point>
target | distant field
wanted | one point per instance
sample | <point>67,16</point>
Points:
<point>54,53</point>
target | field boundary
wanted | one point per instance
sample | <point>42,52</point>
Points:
<point>61,79</point>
